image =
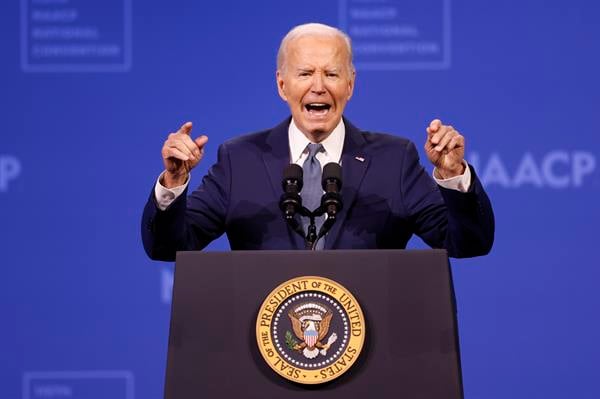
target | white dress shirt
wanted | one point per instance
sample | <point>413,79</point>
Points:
<point>333,146</point>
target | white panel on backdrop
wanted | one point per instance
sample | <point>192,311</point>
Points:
<point>398,34</point>
<point>89,384</point>
<point>75,35</point>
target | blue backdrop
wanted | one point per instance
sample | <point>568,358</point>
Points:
<point>90,89</point>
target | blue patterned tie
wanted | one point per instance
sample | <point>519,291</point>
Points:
<point>312,190</point>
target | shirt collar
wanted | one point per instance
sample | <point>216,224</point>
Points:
<point>333,144</point>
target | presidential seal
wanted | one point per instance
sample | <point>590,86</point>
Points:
<point>310,330</point>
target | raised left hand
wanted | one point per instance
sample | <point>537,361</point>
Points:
<point>445,148</point>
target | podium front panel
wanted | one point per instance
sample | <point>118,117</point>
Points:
<point>411,344</point>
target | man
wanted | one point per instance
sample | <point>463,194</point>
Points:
<point>387,194</point>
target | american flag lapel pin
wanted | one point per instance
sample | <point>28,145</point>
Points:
<point>361,159</point>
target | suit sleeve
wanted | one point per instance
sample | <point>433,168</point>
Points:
<point>190,222</point>
<point>461,223</point>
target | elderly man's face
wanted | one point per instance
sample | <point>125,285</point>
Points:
<point>316,82</point>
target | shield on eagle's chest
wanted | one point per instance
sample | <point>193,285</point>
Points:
<point>310,337</point>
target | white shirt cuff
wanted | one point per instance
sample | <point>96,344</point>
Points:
<point>460,183</point>
<point>165,196</point>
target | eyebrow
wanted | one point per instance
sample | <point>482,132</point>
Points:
<point>311,69</point>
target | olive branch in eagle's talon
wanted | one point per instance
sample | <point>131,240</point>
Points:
<point>290,342</point>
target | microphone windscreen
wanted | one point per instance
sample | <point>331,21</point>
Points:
<point>292,171</point>
<point>332,171</point>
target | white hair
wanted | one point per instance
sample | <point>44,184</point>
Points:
<point>313,29</point>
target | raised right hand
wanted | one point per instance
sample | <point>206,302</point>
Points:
<point>180,155</point>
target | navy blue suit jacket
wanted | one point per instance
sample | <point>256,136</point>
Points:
<point>388,196</point>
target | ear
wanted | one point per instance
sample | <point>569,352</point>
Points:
<point>280,85</point>
<point>351,84</point>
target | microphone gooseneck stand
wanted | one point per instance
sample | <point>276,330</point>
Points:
<point>311,237</point>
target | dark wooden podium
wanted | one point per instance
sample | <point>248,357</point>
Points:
<point>411,345</point>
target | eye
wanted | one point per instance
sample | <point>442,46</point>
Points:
<point>304,74</point>
<point>332,74</point>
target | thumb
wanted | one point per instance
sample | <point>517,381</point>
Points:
<point>201,141</point>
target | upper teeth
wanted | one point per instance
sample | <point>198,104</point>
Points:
<point>317,104</point>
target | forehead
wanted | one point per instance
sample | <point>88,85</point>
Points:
<point>317,50</point>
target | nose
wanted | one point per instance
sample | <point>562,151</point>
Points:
<point>318,86</point>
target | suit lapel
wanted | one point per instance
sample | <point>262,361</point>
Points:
<point>354,165</point>
<point>276,156</point>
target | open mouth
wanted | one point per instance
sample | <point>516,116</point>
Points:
<point>317,109</point>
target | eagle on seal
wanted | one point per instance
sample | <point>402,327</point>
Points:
<point>310,322</point>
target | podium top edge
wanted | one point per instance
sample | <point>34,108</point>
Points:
<point>439,252</point>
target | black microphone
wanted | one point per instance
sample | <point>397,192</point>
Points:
<point>331,202</point>
<point>290,201</point>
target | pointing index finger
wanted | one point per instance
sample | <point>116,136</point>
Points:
<point>435,125</point>
<point>186,128</point>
